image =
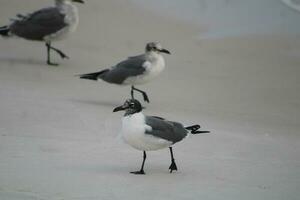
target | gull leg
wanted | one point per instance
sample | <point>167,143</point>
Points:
<point>145,96</point>
<point>48,45</point>
<point>141,172</point>
<point>173,164</point>
<point>131,92</point>
<point>62,54</point>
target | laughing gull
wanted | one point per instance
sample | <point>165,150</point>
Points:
<point>135,70</point>
<point>47,25</point>
<point>150,133</point>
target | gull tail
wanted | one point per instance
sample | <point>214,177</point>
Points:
<point>93,76</point>
<point>194,129</point>
<point>4,31</point>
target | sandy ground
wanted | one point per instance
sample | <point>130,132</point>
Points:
<point>59,138</point>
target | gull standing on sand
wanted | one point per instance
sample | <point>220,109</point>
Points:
<point>135,70</point>
<point>150,133</point>
<point>47,25</point>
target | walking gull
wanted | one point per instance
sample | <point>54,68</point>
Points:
<point>135,70</point>
<point>47,25</point>
<point>150,133</point>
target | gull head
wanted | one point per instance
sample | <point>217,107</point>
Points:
<point>130,107</point>
<point>156,47</point>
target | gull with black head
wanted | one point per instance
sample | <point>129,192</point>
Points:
<point>150,133</point>
<point>135,70</point>
<point>46,25</point>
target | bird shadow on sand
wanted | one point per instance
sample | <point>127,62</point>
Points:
<point>12,61</point>
<point>101,169</point>
<point>105,103</point>
<point>124,170</point>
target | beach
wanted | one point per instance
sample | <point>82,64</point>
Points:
<point>59,138</point>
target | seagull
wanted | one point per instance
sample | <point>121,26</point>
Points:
<point>46,25</point>
<point>150,133</point>
<point>135,70</point>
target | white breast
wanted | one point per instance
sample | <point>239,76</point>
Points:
<point>133,133</point>
<point>71,19</point>
<point>153,67</point>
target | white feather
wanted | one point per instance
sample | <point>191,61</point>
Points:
<point>133,133</point>
<point>71,19</point>
<point>154,65</point>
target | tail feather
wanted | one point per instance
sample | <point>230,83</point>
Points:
<point>93,76</point>
<point>194,129</point>
<point>4,31</point>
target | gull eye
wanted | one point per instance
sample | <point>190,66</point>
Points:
<point>131,105</point>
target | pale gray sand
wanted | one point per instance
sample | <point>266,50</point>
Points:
<point>58,138</point>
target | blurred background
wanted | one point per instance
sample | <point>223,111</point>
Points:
<point>224,18</point>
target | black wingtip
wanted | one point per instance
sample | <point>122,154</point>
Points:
<point>4,31</point>
<point>93,76</point>
<point>194,129</point>
<point>199,132</point>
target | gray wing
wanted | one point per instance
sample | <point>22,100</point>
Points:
<point>168,130</point>
<point>133,66</point>
<point>39,24</point>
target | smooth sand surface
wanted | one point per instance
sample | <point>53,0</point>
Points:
<point>59,138</point>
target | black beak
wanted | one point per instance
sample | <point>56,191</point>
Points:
<point>165,51</point>
<point>119,108</point>
<point>78,1</point>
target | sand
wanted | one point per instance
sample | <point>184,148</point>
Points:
<point>59,138</point>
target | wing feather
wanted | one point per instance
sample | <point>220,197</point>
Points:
<point>168,130</point>
<point>39,24</point>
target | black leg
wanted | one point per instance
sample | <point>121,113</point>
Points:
<point>62,55</point>
<point>173,164</point>
<point>132,94</point>
<point>142,92</point>
<point>141,172</point>
<point>48,45</point>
